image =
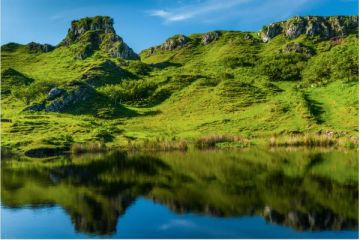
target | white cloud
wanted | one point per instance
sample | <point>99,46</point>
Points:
<point>217,10</point>
<point>195,10</point>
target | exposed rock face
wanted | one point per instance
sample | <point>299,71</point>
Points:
<point>37,47</point>
<point>54,93</point>
<point>73,97</point>
<point>97,33</point>
<point>81,26</point>
<point>175,42</point>
<point>325,27</point>
<point>270,31</point>
<point>210,37</point>
<point>59,99</point>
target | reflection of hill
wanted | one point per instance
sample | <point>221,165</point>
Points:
<point>96,191</point>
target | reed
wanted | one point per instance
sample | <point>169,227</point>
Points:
<point>96,147</point>
<point>157,145</point>
<point>212,140</point>
<point>313,140</point>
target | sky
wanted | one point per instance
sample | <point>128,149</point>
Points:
<point>145,23</point>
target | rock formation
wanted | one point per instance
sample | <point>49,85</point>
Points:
<point>97,33</point>
<point>325,27</point>
<point>175,42</point>
<point>209,37</point>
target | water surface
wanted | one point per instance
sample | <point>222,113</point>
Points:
<point>213,194</point>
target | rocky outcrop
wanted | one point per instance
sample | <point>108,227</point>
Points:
<point>34,47</point>
<point>325,27</point>
<point>177,41</point>
<point>59,99</point>
<point>54,93</point>
<point>209,37</point>
<point>69,98</point>
<point>270,31</point>
<point>81,26</point>
<point>97,33</point>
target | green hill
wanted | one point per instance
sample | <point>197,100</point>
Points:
<point>292,80</point>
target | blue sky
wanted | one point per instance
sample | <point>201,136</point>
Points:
<point>144,23</point>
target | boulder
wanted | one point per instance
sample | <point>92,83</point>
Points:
<point>175,42</point>
<point>73,97</point>
<point>54,93</point>
<point>210,37</point>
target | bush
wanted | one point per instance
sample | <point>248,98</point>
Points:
<point>246,60</point>
<point>283,67</point>
<point>27,94</point>
<point>340,63</point>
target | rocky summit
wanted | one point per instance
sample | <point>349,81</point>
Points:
<point>325,27</point>
<point>97,33</point>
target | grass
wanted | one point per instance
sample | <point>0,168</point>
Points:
<point>189,93</point>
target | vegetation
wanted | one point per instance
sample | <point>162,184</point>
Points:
<point>235,85</point>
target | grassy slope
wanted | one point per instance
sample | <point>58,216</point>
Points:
<point>216,98</point>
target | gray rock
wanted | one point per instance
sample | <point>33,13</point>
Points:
<point>37,47</point>
<point>54,93</point>
<point>325,27</point>
<point>79,94</point>
<point>175,42</point>
<point>270,31</point>
<point>295,28</point>
<point>35,107</point>
<point>210,37</point>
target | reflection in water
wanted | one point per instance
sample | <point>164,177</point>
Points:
<point>304,190</point>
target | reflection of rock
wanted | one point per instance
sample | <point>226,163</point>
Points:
<point>323,219</point>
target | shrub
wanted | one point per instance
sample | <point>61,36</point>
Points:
<point>283,67</point>
<point>340,63</point>
<point>245,60</point>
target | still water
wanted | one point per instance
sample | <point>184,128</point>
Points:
<point>209,194</point>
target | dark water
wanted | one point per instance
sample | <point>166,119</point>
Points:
<point>237,194</point>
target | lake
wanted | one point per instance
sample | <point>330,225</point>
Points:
<point>253,193</point>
